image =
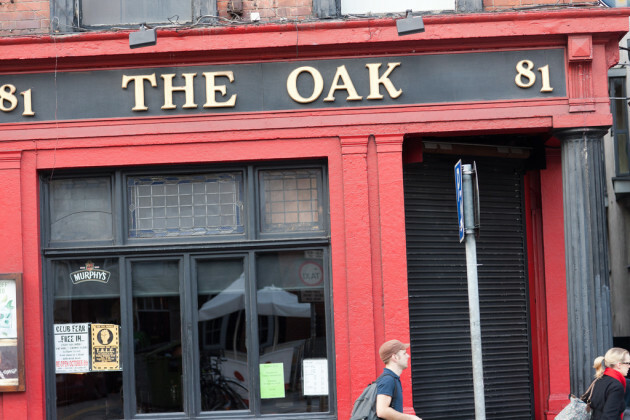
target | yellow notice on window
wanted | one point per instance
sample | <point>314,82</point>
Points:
<point>271,380</point>
<point>105,347</point>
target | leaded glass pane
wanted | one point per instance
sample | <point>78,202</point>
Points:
<point>291,200</point>
<point>185,205</point>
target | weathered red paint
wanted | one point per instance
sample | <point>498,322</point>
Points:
<point>363,148</point>
<point>555,284</point>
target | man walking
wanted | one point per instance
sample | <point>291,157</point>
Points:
<point>389,398</point>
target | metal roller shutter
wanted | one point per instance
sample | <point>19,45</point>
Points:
<point>438,295</point>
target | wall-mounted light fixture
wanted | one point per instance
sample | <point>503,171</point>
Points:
<point>143,38</point>
<point>410,24</point>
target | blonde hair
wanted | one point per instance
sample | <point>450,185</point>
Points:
<point>612,357</point>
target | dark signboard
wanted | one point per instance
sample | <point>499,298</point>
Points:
<point>277,86</point>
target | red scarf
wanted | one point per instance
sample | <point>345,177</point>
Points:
<point>618,376</point>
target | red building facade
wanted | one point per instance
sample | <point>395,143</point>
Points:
<point>354,132</point>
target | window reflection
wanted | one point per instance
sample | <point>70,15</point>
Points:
<point>291,313</point>
<point>157,336</point>
<point>224,378</point>
<point>90,395</point>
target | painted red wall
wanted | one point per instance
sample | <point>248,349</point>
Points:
<point>363,148</point>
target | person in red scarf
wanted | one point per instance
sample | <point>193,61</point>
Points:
<point>607,401</point>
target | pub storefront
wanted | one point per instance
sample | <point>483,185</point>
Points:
<point>229,223</point>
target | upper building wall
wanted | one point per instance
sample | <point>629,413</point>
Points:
<point>33,17</point>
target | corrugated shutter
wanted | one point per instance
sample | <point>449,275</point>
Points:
<point>438,294</point>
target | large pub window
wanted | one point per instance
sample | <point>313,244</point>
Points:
<point>193,293</point>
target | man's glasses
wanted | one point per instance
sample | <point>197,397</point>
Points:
<point>625,363</point>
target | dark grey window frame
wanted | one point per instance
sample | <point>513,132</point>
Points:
<point>65,15</point>
<point>120,215</point>
<point>188,253</point>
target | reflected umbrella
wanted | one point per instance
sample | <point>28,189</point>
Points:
<point>271,300</point>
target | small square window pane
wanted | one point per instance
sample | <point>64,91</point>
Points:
<point>280,192</point>
<point>145,213</point>
<point>185,199</point>
<point>186,211</point>
<point>212,187</point>
<point>207,210</point>
<point>185,188</point>
<point>81,209</point>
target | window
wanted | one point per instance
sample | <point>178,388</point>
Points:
<point>207,316</point>
<point>72,15</point>
<point>114,12</point>
<point>335,8</point>
<point>619,110</point>
<point>188,205</point>
<point>383,6</point>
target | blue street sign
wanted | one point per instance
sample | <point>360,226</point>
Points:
<point>460,200</point>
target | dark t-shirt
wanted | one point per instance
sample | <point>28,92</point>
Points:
<point>389,384</point>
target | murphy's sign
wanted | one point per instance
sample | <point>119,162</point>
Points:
<point>278,86</point>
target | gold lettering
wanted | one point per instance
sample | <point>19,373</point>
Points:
<point>139,88</point>
<point>188,89</point>
<point>318,84</point>
<point>7,94</point>
<point>211,88</point>
<point>28,103</point>
<point>347,85</point>
<point>524,69</point>
<point>544,72</point>
<point>376,81</point>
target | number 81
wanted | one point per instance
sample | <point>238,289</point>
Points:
<point>524,71</point>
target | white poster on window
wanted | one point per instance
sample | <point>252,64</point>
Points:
<point>72,348</point>
<point>315,373</point>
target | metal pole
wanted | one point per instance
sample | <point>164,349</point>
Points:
<point>473,294</point>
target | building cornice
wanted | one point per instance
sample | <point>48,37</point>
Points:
<point>251,43</point>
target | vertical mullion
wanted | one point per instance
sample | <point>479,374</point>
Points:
<point>253,341</point>
<point>189,333</point>
<point>251,203</point>
<point>118,209</point>
<point>126,299</point>
<point>49,300</point>
<point>330,342</point>
<point>324,197</point>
